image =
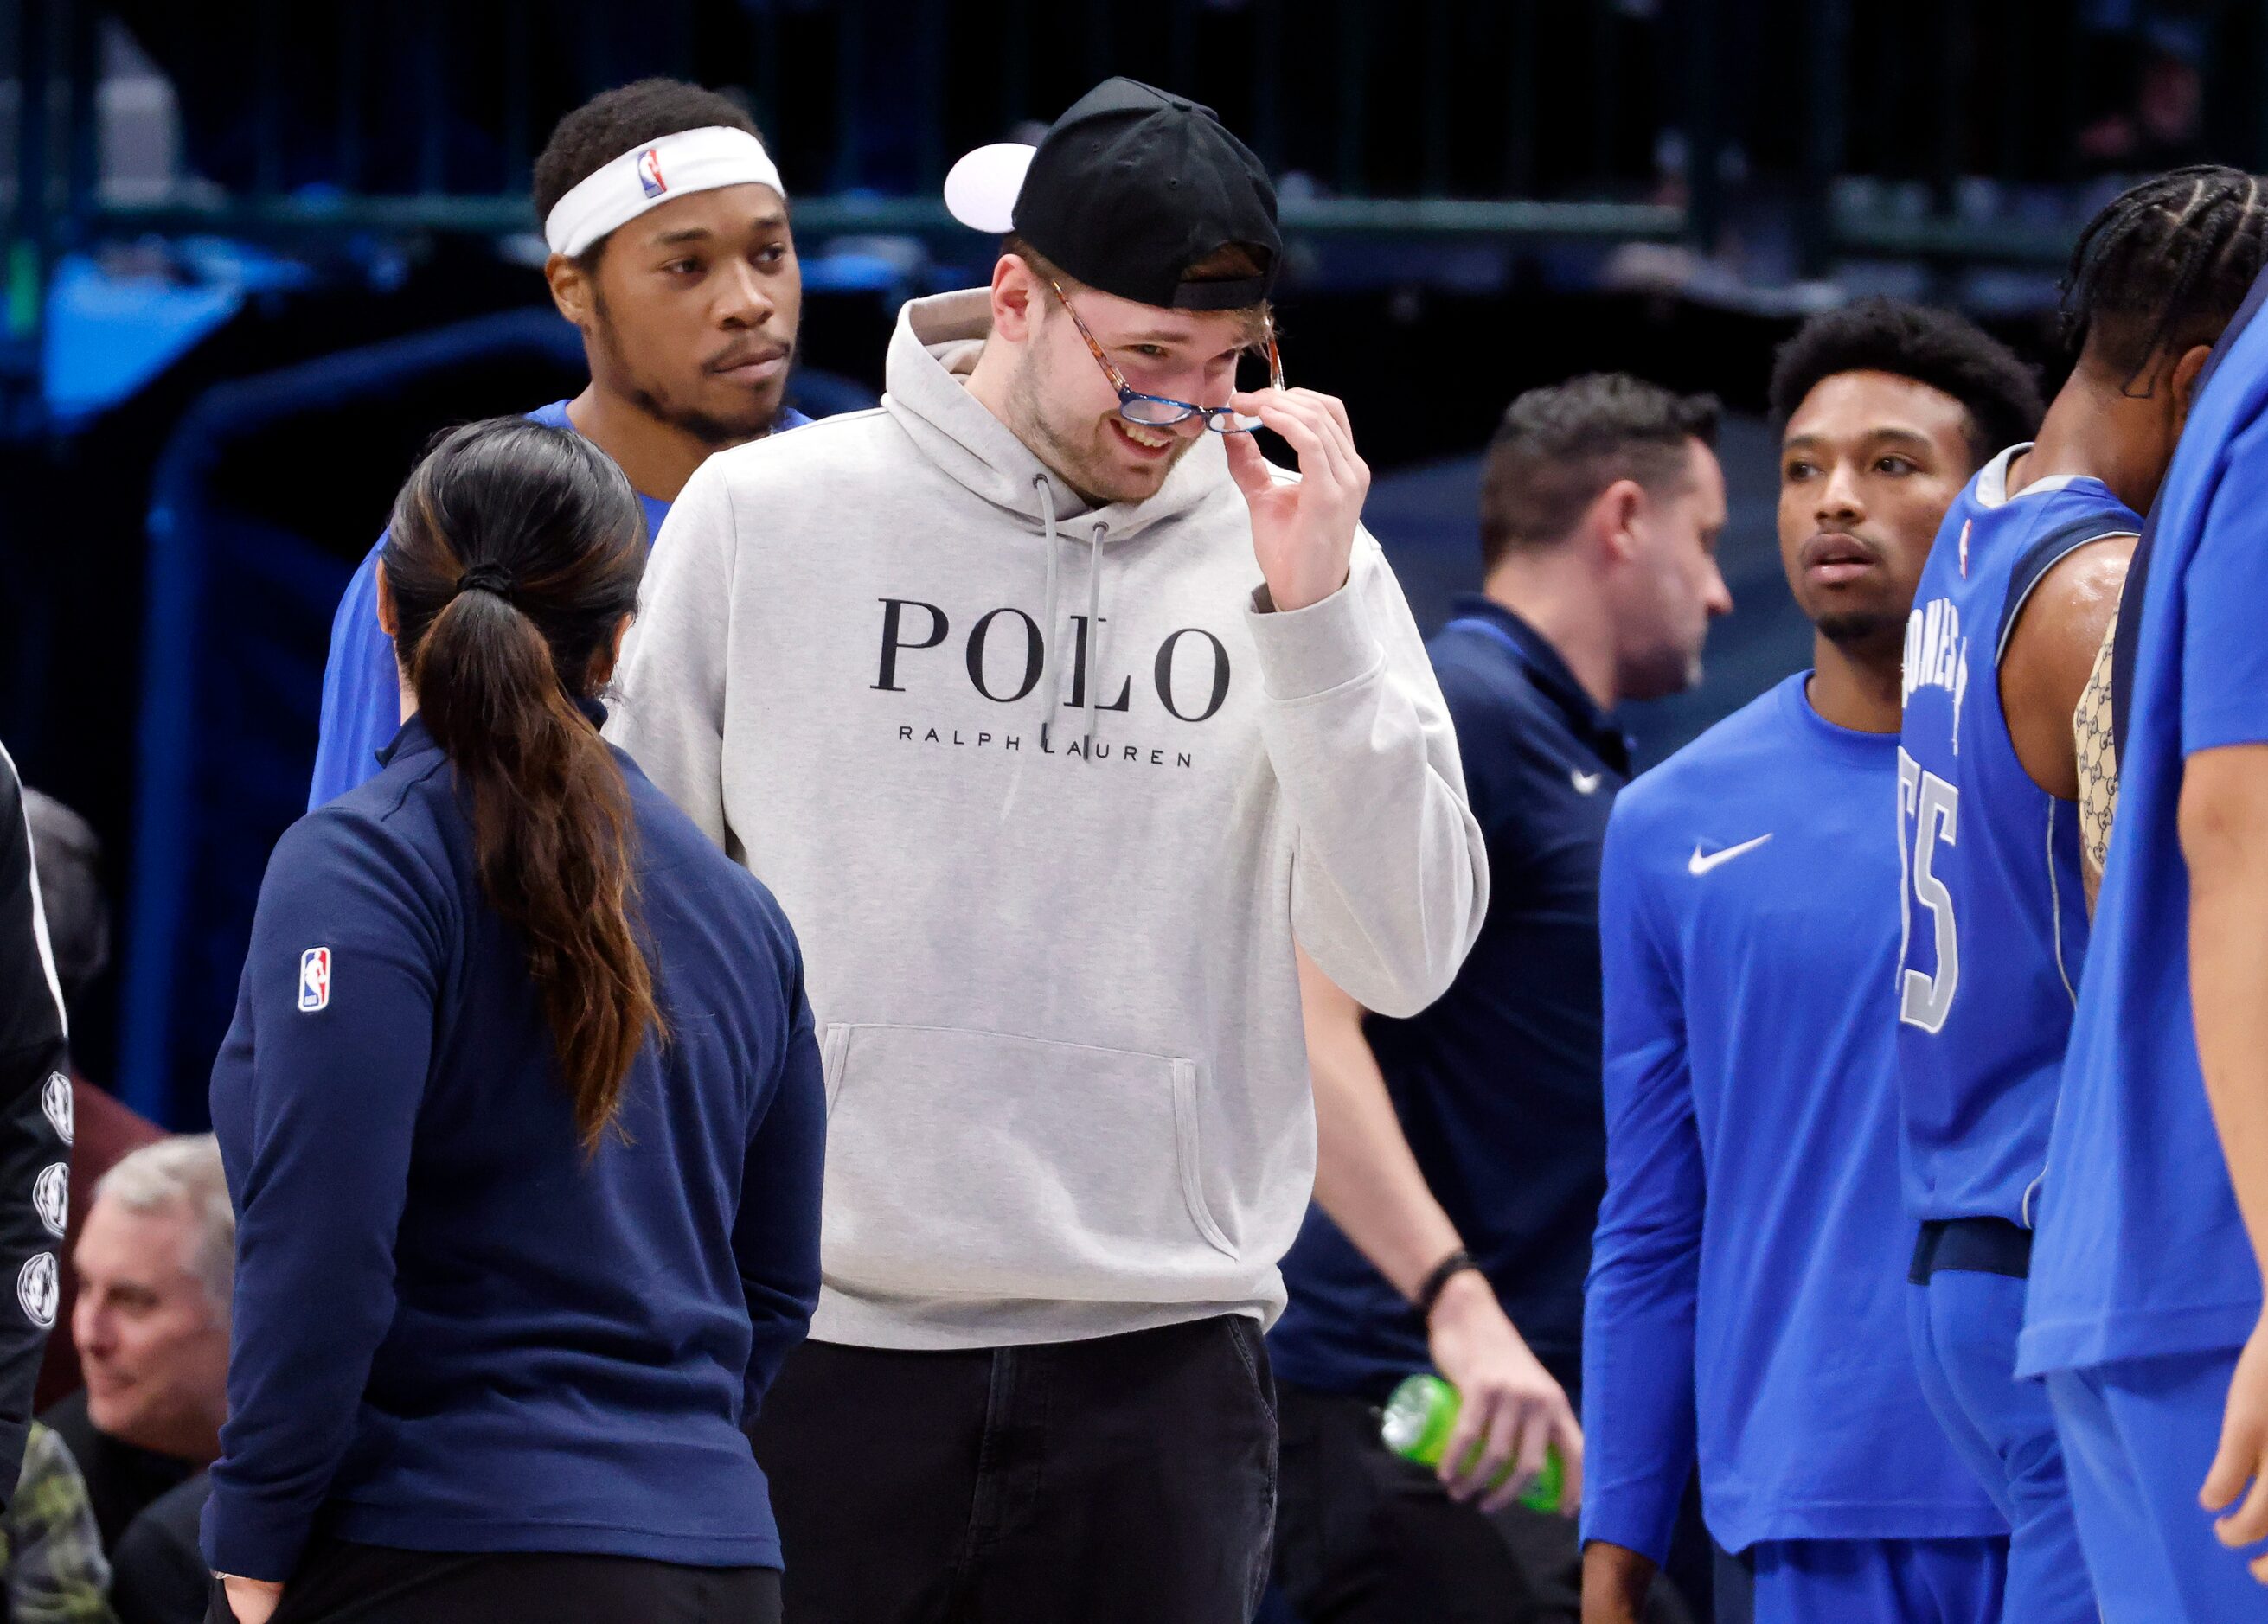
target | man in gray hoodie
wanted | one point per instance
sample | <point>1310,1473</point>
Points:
<point>1054,715</point>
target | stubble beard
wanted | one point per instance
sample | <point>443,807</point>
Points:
<point>1857,630</point>
<point>717,433</point>
<point>1080,462</point>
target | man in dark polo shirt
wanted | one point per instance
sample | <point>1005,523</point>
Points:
<point>1601,504</point>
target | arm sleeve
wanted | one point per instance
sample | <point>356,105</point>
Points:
<point>362,691</point>
<point>668,705</point>
<point>34,1119</point>
<point>1390,881</point>
<point>56,1571</point>
<point>315,1109</point>
<point>776,1236</point>
<point>1637,1321</point>
<point>2224,657</point>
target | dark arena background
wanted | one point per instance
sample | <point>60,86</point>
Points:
<point>258,251</point>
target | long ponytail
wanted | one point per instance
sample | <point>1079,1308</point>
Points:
<point>514,558</point>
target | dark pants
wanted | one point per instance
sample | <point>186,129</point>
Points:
<point>1366,1538</point>
<point>1125,1478</point>
<point>341,1582</point>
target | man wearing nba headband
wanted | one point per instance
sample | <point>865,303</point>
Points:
<point>1054,715</point>
<point>670,249</point>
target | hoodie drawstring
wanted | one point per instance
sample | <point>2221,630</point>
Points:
<point>1051,680</point>
<point>1048,685</point>
<point>1094,632</point>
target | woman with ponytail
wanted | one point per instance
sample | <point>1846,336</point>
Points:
<point>523,1121</point>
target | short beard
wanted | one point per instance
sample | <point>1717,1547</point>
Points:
<point>1075,463</point>
<point>712,431</point>
<point>1662,675</point>
<point>1857,628</point>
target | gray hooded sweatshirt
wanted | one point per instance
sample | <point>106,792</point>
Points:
<point>1047,798</point>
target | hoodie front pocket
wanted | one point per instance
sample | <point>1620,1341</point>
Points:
<point>978,1163</point>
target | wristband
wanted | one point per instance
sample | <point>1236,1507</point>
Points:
<point>1430,1290</point>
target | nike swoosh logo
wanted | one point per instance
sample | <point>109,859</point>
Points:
<point>1587,784</point>
<point>1702,864</point>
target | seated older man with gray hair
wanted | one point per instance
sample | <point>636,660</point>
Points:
<point>156,1264</point>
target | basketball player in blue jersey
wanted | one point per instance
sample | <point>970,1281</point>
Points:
<point>1745,1305</point>
<point>2144,1313</point>
<point>671,251</point>
<point>2020,589</point>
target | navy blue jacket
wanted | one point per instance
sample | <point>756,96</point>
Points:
<point>1496,1083</point>
<point>453,1331</point>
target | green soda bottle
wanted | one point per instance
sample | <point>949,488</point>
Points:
<point>1415,1426</point>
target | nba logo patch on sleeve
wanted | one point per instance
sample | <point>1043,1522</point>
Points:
<point>649,168</point>
<point>314,978</point>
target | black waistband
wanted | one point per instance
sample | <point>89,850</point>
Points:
<point>1979,1246</point>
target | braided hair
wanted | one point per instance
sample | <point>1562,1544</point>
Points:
<point>2165,265</point>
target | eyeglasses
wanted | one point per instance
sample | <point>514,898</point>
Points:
<point>1155,411</point>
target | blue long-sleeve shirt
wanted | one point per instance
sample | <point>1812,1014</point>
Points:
<point>1746,1301</point>
<point>2142,1252</point>
<point>454,1332</point>
<point>362,685</point>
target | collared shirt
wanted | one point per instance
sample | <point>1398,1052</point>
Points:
<point>1496,1084</point>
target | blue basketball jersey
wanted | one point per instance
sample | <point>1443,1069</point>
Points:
<point>1995,919</point>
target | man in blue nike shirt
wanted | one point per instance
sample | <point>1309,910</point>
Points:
<point>2145,1306</point>
<point>1601,503</point>
<point>671,251</point>
<point>1746,1302</point>
<point>2020,586</point>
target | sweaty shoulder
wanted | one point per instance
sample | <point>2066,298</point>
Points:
<point>2051,528</point>
<point>2061,603</point>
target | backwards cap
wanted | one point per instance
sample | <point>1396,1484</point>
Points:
<point>1126,191</point>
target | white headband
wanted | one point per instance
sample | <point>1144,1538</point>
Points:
<point>646,177</point>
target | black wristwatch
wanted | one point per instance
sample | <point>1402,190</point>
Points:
<point>1430,1290</point>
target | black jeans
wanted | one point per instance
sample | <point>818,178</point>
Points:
<point>1125,1478</point>
<point>342,1583</point>
<point>1366,1538</point>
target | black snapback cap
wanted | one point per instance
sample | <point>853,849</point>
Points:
<point>1127,190</point>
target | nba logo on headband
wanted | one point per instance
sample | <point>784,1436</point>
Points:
<point>700,161</point>
<point>314,978</point>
